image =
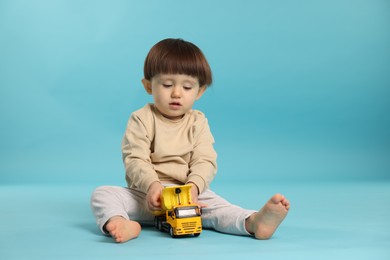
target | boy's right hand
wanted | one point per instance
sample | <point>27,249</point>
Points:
<point>153,196</point>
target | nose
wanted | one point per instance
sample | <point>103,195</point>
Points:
<point>176,92</point>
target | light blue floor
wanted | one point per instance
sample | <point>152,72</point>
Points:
<point>326,221</point>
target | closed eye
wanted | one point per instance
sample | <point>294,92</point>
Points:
<point>167,85</point>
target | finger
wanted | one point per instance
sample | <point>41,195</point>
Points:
<point>156,204</point>
<point>202,205</point>
<point>152,206</point>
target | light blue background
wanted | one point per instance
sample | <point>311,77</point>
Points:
<point>301,88</point>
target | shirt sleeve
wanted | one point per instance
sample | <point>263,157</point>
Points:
<point>203,163</point>
<point>136,152</point>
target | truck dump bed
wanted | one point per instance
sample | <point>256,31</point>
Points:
<point>176,196</point>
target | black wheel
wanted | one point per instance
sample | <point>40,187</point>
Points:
<point>196,234</point>
<point>156,222</point>
<point>159,224</point>
<point>171,232</point>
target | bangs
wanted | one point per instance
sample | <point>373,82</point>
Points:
<point>176,56</point>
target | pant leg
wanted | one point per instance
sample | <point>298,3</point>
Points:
<point>223,216</point>
<point>109,201</point>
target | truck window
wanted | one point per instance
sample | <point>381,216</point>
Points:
<point>187,212</point>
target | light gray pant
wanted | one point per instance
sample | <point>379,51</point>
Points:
<point>220,215</point>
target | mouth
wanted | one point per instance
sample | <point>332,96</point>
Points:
<point>175,105</point>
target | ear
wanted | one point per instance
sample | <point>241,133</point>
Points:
<point>147,85</point>
<point>202,89</point>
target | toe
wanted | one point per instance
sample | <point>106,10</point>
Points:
<point>110,227</point>
<point>286,203</point>
<point>118,239</point>
<point>277,198</point>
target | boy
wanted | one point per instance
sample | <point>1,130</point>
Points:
<point>168,143</point>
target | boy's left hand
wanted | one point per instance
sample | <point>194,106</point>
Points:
<point>195,194</point>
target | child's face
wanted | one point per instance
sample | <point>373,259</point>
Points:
<point>174,94</point>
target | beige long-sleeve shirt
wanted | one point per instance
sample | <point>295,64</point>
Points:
<point>155,148</point>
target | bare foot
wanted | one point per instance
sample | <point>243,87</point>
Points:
<point>265,222</point>
<point>121,229</point>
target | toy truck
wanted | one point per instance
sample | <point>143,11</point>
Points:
<point>179,215</point>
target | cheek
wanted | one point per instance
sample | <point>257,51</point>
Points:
<point>195,96</point>
<point>158,94</point>
<point>156,98</point>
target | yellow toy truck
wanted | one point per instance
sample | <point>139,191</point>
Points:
<point>179,215</point>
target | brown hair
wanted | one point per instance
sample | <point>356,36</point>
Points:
<point>176,56</point>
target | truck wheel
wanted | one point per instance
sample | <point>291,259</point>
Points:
<point>196,234</point>
<point>171,232</point>
<point>159,225</point>
<point>156,222</point>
